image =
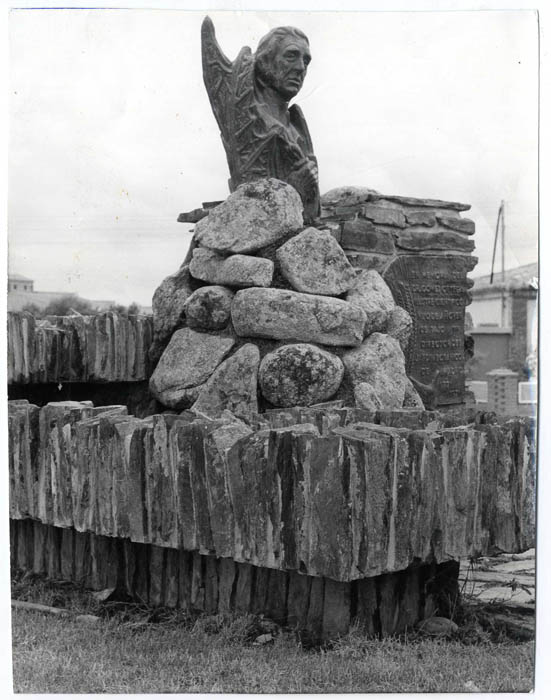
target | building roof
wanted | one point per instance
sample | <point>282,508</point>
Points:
<point>523,277</point>
<point>19,278</point>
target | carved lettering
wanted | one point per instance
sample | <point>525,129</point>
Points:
<point>434,290</point>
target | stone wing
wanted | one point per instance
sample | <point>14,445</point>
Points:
<point>217,76</point>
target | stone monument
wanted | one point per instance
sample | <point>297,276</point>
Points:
<point>262,135</point>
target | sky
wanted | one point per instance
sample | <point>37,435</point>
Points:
<point>112,135</point>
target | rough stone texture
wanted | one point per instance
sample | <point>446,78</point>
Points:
<point>366,397</point>
<point>422,217</point>
<point>208,308</point>
<point>103,348</point>
<point>188,361</point>
<point>411,397</point>
<point>232,386</point>
<point>355,500</point>
<point>314,262</point>
<point>287,315</point>
<point>457,224</point>
<point>440,239</point>
<point>420,202</point>
<point>300,375</point>
<point>384,215</point>
<point>168,303</point>
<point>235,271</point>
<point>379,362</point>
<point>371,294</point>
<point>255,215</point>
<point>369,261</point>
<point>399,325</point>
<point>346,195</point>
<point>362,235</point>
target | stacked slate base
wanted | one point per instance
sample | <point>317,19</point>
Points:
<point>319,609</point>
<point>316,516</point>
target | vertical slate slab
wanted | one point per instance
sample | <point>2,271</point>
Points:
<point>67,554</point>
<point>197,583</point>
<point>227,573</point>
<point>243,589</point>
<point>128,567</point>
<point>23,455</point>
<point>314,617</point>
<point>389,609</point>
<point>39,548</point>
<point>329,549</point>
<point>185,567</point>
<point>141,572</point>
<point>171,578</point>
<point>156,575</point>
<point>211,585</point>
<point>83,559</point>
<point>53,567</point>
<point>198,484</point>
<point>180,455</point>
<point>298,595</point>
<point>276,598</point>
<point>138,516</point>
<point>409,591</point>
<point>216,443</point>
<point>260,581</point>
<point>247,475</point>
<point>336,609</point>
<point>161,486</point>
<point>367,606</point>
<point>434,291</point>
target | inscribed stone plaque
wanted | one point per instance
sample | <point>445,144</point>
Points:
<point>434,290</point>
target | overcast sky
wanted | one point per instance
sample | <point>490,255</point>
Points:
<point>112,136</point>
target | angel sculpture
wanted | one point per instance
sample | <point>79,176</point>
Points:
<point>262,135</point>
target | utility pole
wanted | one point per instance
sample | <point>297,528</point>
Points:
<point>500,219</point>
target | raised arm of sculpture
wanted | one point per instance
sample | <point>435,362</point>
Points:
<point>249,97</point>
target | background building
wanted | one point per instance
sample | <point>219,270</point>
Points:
<point>504,318</point>
<point>21,293</point>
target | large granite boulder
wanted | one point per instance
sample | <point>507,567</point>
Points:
<point>187,362</point>
<point>286,315</point>
<point>371,294</point>
<point>412,399</point>
<point>314,262</point>
<point>379,362</point>
<point>299,375</point>
<point>169,302</point>
<point>400,325</point>
<point>366,397</point>
<point>257,214</point>
<point>235,270</point>
<point>232,386</point>
<point>208,308</point>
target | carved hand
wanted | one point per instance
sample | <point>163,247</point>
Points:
<point>307,175</point>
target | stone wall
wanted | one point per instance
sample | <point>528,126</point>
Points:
<point>422,247</point>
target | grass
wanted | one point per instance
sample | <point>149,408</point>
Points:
<point>135,650</point>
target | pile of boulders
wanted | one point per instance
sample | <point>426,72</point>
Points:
<point>267,313</point>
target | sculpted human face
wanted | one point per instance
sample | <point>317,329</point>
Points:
<point>290,64</point>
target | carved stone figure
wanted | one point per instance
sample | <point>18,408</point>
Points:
<point>262,135</point>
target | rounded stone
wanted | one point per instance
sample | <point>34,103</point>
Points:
<point>313,262</point>
<point>208,308</point>
<point>299,375</point>
<point>257,214</point>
